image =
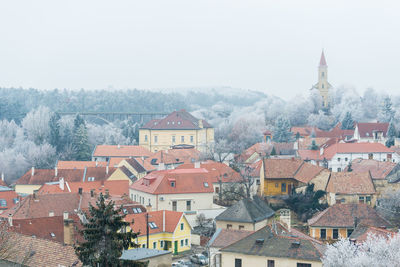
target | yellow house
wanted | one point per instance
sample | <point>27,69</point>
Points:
<point>179,128</point>
<point>346,218</point>
<point>168,230</point>
<point>272,245</point>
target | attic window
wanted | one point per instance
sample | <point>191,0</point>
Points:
<point>173,184</point>
<point>52,235</point>
<point>90,179</point>
<point>3,203</point>
<point>136,210</point>
<point>179,122</point>
<point>152,225</point>
<point>125,211</point>
<point>205,184</point>
<point>367,134</point>
<point>167,122</point>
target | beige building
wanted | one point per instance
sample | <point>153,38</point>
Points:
<point>179,128</point>
<point>323,85</point>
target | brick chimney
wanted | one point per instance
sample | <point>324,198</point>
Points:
<point>10,220</point>
<point>197,165</point>
<point>55,171</point>
<point>68,229</point>
<point>33,171</point>
<point>61,183</point>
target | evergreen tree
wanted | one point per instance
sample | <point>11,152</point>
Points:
<point>390,135</point>
<point>105,236</point>
<point>314,145</point>
<point>347,122</point>
<point>273,151</point>
<point>78,122</point>
<point>81,144</point>
<point>386,112</point>
<point>282,131</point>
<point>55,138</point>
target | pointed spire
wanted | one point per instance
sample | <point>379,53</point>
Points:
<point>322,62</point>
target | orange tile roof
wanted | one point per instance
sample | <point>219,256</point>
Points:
<point>121,151</point>
<point>281,168</point>
<point>259,148</point>
<point>378,169</point>
<point>306,142</point>
<point>43,252</point>
<point>79,164</point>
<point>307,172</point>
<point>171,219</point>
<point>186,181</point>
<point>345,148</point>
<point>350,183</point>
<point>343,215</point>
<point>367,129</point>
<point>216,170</point>
<point>226,237</point>
<point>113,162</point>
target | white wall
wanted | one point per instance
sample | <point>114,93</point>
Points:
<point>335,164</point>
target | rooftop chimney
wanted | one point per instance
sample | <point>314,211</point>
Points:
<point>197,165</point>
<point>33,171</point>
<point>61,183</point>
<point>10,220</point>
<point>161,166</point>
<point>200,123</point>
<point>55,171</point>
<point>107,169</point>
<point>119,146</point>
<point>2,176</point>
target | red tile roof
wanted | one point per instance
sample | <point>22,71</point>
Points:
<point>171,219</point>
<point>43,253</point>
<point>346,148</point>
<point>186,181</point>
<point>120,151</point>
<point>379,169</point>
<point>216,170</point>
<point>303,131</point>
<point>350,183</point>
<point>181,119</point>
<point>79,164</point>
<point>366,129</point>
<point>9,197</point>
<point>307,172</point>
<point>344,215</point>
<point>114,187</point>
<point>362,231</point>
<point>305,143</point>
<point>42,176</point>
<point>322,61</point>
<point>225,237</point>
<point>113,162</point>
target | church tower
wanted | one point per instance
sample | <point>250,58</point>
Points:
<point>323,86</point>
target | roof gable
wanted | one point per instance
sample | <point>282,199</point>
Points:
<point>350,183</point>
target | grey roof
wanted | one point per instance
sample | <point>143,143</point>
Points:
<point>247,210</point>
<point>271,242</point>
<point>142,253</point>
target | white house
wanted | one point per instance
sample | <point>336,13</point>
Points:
<point>371,132</point>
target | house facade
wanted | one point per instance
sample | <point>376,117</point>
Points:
<point>177,129</point>
<point>371,132</point>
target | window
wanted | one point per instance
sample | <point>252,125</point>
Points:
<point>173,184</point>
<point>368,199</point>
<point>217,190</point>
<point>3,202</point>
<point>173,139</point>
<point>186,242</point>
<point>270,263</point>
<point>346,159</point>
<point>276,185</point>
<point>149,202</point>
<point>258,182</point>
<point>144,246</point>
<point>188,205</point>
<point>343,200</point>
<point>16,200</point>
<point>134,198</point>
<point>174,205</point>
<point>370,156</point>
<point>191,139</point>
<point>330,169</point>
<point>161,244</point>
<point>389,157</point>
<point>238,262</point>
<point>182,139</point>
<point>322,86</point>
<point>339,169</point>
<point>322,234</point>
<point>299,264</point>
<point>323,74</point>
<point>335,233</point>
<point>145,138</point>
<point>155,139</point>
<point>229,226</point>
<point>153,225</point>
<point>182,225</point>
<point>154,245</point>
<point>283,187</point>
<point>205,184</point>
<point>349,231</point>
<point>241,227</point>
<point>125,211</point>
<point>361,199</point>
<point>338,159</point>
<point>182,243</point>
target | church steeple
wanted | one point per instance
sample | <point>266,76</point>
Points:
<point>322,62</point>
<point>323,85</point>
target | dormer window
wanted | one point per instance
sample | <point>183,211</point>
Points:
<point>205,184</point>
<point>168,122</point>
<point>172,184</point>
<point>52,235</point>
<point>173,122</point>
<point>125,211</point>
<point>153,225</point>
<point>179,122</point>
<point>90,179</point>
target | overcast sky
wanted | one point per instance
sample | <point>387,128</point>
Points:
<point>270,46</point>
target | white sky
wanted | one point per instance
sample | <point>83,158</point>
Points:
<point>271,46</point>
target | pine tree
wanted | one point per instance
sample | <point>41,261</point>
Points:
<point>273,151</point>
<point>390,135</point>
<point>314,145</point>
<point>105,236</point>
<point>55,138</point>
<point>282,131</point>
<point>78,122</point>
<point>81,144</point>
<point>348,122</point>
<point>386,112</point>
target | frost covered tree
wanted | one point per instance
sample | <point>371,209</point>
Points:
<point>386,112</point>
<point>282,131</point>
<point>322,121</point>
<point>36,125</point>
<point>347,122</point>
<point>55,138</point>
<point>390,135</point>
<point>81,144</point>
<point>379,251</point>
<point>388,205</point>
